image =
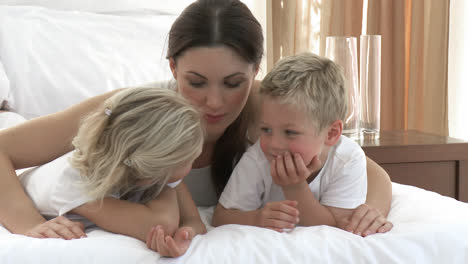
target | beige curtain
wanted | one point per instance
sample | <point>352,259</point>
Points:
<point>414,50</point>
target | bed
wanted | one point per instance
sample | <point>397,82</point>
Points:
<point>61,57</point>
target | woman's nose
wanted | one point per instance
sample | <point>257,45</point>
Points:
<point>214,98</point>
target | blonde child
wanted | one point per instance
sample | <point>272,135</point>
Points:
<point>301,170</point>
<point>129,156</point>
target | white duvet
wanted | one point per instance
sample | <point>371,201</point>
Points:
<point>428,228</point>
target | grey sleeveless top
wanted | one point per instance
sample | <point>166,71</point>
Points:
<point>201,186</point>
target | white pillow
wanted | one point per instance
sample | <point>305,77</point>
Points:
<point>9,119</point>
<point>57,58</point>
<point>172,7</point>
<point>4,86</point>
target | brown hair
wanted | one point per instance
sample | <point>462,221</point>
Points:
<point>210,23</point>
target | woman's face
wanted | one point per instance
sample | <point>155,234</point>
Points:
<point>217,81</point>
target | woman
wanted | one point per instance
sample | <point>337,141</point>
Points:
<point>214,51</point>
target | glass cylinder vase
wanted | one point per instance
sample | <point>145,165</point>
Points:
<point>370,72</point>
<point>342,50</point>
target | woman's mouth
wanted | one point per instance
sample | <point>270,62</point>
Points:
<point>213,118</point>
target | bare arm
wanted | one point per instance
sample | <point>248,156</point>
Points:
<point>189,215</point>
<point>379,188</point>
<point>274,215</point>
<point>30,144</point>
<point>223,216</point>
<point>134,219</point>
<point>370,218</point>
<point>312,212</point>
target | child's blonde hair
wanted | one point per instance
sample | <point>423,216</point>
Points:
<point>139,134</point>
<point>313,83</point>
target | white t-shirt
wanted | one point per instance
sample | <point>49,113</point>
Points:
<point>55,190</point>
<point>342,182</point>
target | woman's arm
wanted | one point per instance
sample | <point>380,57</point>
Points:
<point>29,144</point>
<point>133,219</point>
<point>370,218</point>
<point>379,188</point>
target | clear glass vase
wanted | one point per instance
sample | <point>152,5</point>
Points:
<point>370,72</point>
<point>342,50</point>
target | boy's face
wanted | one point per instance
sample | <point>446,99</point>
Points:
<point>285,128</point>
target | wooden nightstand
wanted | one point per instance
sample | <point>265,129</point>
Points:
<point>427,161</point>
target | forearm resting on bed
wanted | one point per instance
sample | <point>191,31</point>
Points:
<point>17,212</point>
<point>311,212</point>
<point>379,187</point>
<point>189,215</point>
<point>223,216</point>
<point>133,219</point>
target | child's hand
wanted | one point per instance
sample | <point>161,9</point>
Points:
<point>288,169</point>
<point>58,227</point>
<point>168,246</point>
<point>365,221</point>
<point>278,215</point>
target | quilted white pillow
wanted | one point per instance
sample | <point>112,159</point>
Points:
<point>4,86</point>
<point>57,58</point>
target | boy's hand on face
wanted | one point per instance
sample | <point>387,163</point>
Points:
<point>290,169</point>
<point>168,246</point>
<point>278,215</point>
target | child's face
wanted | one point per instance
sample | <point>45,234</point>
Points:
<point>181,172</point>
<point>285,128</point>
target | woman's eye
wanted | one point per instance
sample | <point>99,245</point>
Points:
<point>197,84</point>
<point>232,85</point>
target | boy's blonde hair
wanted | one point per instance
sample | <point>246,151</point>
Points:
<point>139,134</point>
<point>315,84</point>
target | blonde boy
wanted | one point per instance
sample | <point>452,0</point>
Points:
<point>301,170</point>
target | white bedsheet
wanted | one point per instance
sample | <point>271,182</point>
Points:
<point>429,228</point>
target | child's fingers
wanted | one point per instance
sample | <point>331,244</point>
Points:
<point>291,172</point>
<point>149,238</point>
<point>159,243</point>
<point>273,223</point>
<point>286,207</point>
<point>301,167</point>
<point>78,230</point>
<point>366,221</point>
<point>356,217</point>
<point>174,250</point>
<point>66,228</point>
<point>35,234</point>
<point>49,233</point>
<point>314,165</point>
<point>278,215</point>
<point>374,226</point>
<point>290,203</point>
<point>386,227</point>
<point>280,170</point>
<point>65,233</point>
<point>274,174</point>
<point>280,230</point>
